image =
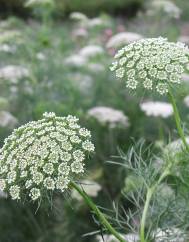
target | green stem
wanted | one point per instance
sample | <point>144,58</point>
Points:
<point>149,194</point>
<point>99,214</point>
<point>178,119</point>
<point>144,214</point>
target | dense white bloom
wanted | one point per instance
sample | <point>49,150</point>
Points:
<point>122,38</point>
<point>153,64</point>
<point>111,238</point>
<point>91,51</point>
<point>13,73</point>
<point>7,120</point>
<point>170,8</point>
<point>110,116</point>
<point>169,235</point>
<point>43,155</point>
<point>157,109</point>
<point>90,187</point>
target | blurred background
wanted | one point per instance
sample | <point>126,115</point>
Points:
<point>55,56</point>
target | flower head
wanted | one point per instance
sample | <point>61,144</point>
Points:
<point>152,63</point>
<point>43,155</point>
<point>157,109</point>
<point>112,117</point>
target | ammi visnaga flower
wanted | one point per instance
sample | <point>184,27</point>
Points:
<point>154,64</point>
<point>42,156</point>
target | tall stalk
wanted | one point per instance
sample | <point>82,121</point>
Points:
<point>177,119</point>
<point>150,192</point>
<point>98,213</point>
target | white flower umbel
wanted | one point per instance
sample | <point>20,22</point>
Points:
<point>157,109</point>
<point>90,187</point>
<point>112,117</point>
<point>154,64</point>
<point>43,155</point>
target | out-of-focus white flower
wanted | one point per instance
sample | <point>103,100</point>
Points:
<point>9,35</point>
<point>7,120</point>
<point>152,64</point>
<point>175,146</point>
<point>80,32</point>
<point>13,73</point>
<point>169,235</point>
<point>170,8</point>
<point>95,22</point>
<point>7,48</point>
<point>185,77</point>
<point>82,81</point>
<point>96,67</point>
<point>40,56</point>
<point>78,16</point>
<point>35,3</point>
<point>106,115</point>
<point>184,39</point>
<point>91,51</point>
<point>186,101</point>
<point>111,238</point>
<point>75,60</point>
<point>90,187</point>
<point>122,39</point>
<point>157,109</point>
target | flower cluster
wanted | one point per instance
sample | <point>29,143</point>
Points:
<point>157,109</point>
<point>152,63</point>
<point>43,156</point>
<point>13,73</point>
<point>112,117</point>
